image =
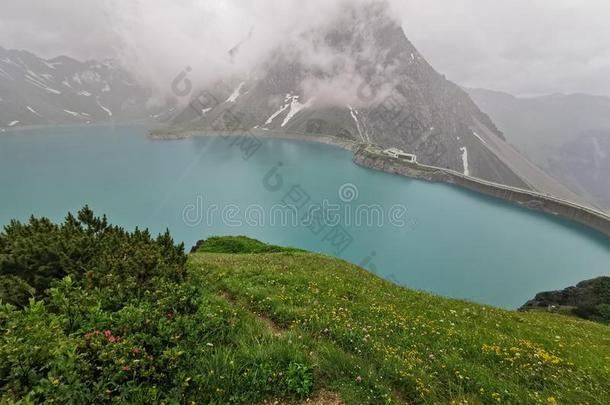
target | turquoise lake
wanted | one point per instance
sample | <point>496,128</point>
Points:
<point>445,240</point>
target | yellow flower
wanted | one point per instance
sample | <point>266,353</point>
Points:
<point>552,400</point>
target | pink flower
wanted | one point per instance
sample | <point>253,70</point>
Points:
<point>110,338</point>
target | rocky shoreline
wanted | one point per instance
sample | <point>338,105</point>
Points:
<point>373,158</point>
<point>589,299</point>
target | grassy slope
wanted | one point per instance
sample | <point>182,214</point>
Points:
<point>373,342</point>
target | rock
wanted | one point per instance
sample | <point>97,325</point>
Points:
<point>589,299</point>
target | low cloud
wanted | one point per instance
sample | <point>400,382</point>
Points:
<point>231,39</point>
<point>523,46</point>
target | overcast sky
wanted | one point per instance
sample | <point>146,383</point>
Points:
<point>525,47</point>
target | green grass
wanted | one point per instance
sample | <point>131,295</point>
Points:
<point>243,322</point>
<point>374,342</point>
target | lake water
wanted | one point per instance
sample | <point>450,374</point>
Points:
<point>434,237</point>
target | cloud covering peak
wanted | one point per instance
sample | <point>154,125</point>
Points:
<point>524,46</point>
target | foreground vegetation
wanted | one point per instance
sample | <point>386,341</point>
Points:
<point>92,313</point>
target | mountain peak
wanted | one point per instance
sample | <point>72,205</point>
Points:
<point>357,76</point>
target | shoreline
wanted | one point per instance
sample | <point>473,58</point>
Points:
<point>332,140</point>
<point>371,157</point>
<point>97,124</point>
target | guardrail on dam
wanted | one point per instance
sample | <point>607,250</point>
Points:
<point>373,158</point>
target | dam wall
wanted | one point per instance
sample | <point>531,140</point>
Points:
<point>372,157</point>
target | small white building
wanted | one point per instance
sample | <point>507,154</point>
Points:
<point>399,154</point>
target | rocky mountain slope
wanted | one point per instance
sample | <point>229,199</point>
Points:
<point>375,87</point>
<point>35,91</point>
<point>568,136</point>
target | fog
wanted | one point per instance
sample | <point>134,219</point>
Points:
<point>524,47</point>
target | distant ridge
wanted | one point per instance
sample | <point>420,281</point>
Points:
<point>62,90</point>
<point>568,136</point>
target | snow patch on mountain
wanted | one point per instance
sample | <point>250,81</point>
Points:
<point>35,75</point>
<point>10,62</point>
<point>75,114</point>
<point>104,108</point>
<point>281,110</point>
<point>295,108</point>
<point>5,74</point>
<point>235,95</point>
<point>464,151</point>
<point>354,114</point>
<point>49,65</point>
<point>479,137</point>
<point>41,85</point>
<point>33,111</point>
<point>89,76</point>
